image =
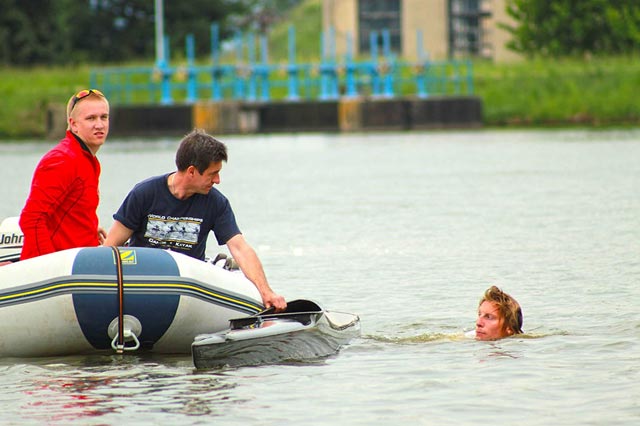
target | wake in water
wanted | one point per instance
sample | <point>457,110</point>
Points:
<point>422,338</point>
<point>452,337</point>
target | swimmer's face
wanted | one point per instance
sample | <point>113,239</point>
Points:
<point>490,324</point>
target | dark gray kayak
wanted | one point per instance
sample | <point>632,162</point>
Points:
<point>303,332</point>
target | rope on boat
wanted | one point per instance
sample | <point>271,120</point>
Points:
<point>119,345</point>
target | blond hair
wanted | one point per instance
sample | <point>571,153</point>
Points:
<point>508,307</point>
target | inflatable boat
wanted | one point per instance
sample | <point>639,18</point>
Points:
<point>303,332</point>
<point>94,299</point>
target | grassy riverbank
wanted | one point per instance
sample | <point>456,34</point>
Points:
<point>25,94</point>
<point>567,92</point>
<point>595,92</point>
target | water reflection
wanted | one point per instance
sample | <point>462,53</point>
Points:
<point>96,386</point>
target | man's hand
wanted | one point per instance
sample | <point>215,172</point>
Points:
<point>275,300</point>
<point>102,235</point>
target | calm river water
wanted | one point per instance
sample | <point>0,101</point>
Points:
<point>407,230</point>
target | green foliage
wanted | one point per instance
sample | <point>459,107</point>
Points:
<point>574,27</point>
<point>114,31</point>
<point>308,26</point>
<point>71,31</point>
<point>27,92</point>
<point>27,32</point>
<point>597,91</point>
<point>261,15</point>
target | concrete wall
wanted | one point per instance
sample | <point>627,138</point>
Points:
<point>150,120</point>
<point>305,116</point>
<point>344,115</point>
<point>56,121</point>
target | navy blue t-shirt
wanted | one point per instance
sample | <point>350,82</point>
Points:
<point>160,220</point>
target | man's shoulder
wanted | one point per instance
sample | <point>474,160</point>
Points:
<point>67,150</point>
<point>216,194</point>
<point>150,182</point>
<point>60,155</point>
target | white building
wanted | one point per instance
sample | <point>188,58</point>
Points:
<point>444,29</point>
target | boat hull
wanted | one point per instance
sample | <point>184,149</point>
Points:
<point>69,302</point>
<point>267,338</point>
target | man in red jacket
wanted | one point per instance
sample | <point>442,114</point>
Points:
<point>60,212</point>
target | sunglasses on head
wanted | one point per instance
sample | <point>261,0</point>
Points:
<point>83,94</point>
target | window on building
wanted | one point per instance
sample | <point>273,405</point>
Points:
<point>465,27</point>
<point>379,15</point>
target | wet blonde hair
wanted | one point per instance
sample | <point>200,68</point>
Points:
<point>508,307</point>
<point>72,103</point>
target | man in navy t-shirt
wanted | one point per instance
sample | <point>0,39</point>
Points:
<point>178,210</point>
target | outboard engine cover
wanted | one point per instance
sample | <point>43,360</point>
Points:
<point>11,238</point>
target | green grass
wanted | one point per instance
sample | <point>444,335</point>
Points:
<point>542,92</point>
<point>307,18</point>
<point>26,93</point>
<point>597,91</point>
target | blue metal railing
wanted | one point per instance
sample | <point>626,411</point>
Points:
<point>383,75</point>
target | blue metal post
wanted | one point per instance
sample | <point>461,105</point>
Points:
<point>323,67</point>
<point>293,68</point>
<point>421,68</point>
<point>264,70</point>
<point>251,95</point>
<point>238,79</point>
<point>328,71</point>
<point>333,71</point>
<point>389,65</point>
<point>192,94</point>
<point>165,97</point>
<point>216,90</point>
<point>352,90</point>
<point>375,78</point>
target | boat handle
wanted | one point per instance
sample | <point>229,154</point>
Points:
<point>127,334</point>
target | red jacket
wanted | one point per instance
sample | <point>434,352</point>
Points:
<point>60,212</point>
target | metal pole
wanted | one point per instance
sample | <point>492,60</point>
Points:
<point>251,57</point>
<point>192,89</point>
<point>159,20</point>
<point>265,68</point>
<point>388,64</point>
<point>293,68</point>
<point>421,67</point>
<point>216,69</point>
<point>352,90</point>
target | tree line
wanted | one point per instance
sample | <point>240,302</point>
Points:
<point>56,32</point>
<point>556,28</point>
